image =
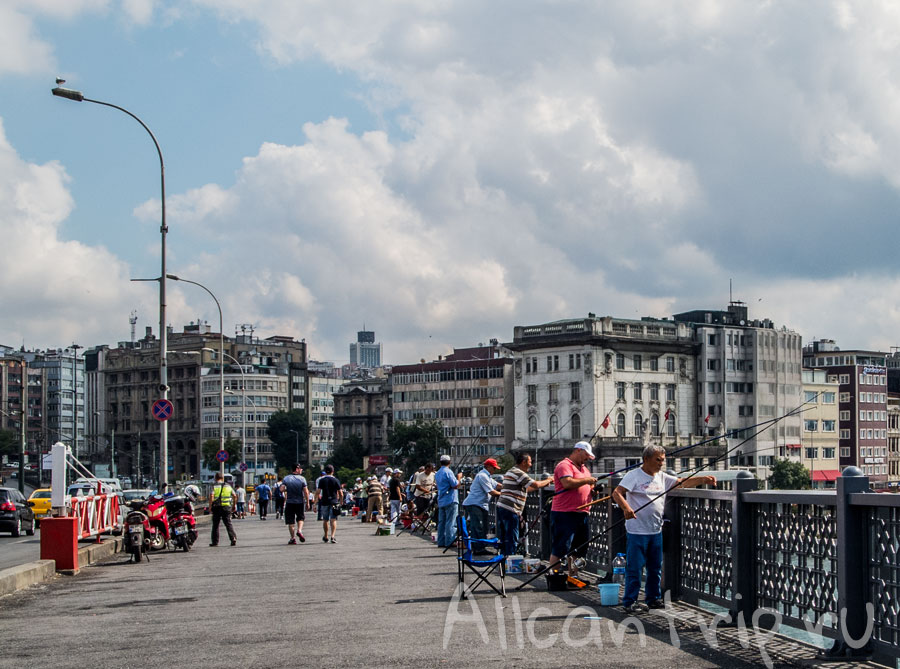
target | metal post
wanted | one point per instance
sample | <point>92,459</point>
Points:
<point>743,546</point>
<point>75,348</point>
<point>616,516</point>
<point>671,576</point>
<point>112,445</point>
<point>852,562</point>
<point>78,96</point>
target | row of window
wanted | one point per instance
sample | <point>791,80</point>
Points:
<point>813,425</point>
<point>449,394</point>
<point>638,391</point>
<point>553,392</point>
<point>814,397</point>
<point>467,374</point>
<point>872,415</point>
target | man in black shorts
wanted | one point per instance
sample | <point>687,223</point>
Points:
<point>296,502</point>
<point>328,496</point>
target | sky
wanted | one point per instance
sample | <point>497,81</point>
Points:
<point>440,172</point>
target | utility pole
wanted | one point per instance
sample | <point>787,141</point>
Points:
<point>75,348</point>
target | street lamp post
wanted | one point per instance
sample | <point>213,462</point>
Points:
<point>243,415</point>
<point>221,365</point>
<point>78,96</point>
<point>112,442</point>
<point>296,445</point>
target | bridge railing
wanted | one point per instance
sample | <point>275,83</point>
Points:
<point>825,561</point>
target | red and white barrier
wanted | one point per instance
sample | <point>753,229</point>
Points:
<point>96,514</point>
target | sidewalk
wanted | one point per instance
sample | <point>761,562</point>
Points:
<point>367,600</point>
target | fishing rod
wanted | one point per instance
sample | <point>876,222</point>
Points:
<point>732,433</point>
<point>570,552</point>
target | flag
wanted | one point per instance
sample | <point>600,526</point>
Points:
<point>667,415</point>
<point>605,423</point>
<point>706,420</point>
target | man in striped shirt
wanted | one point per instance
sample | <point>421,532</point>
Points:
<point>511,503</point>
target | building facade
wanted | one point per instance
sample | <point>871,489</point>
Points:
<point>862,399</point>
<point>819,436</point>
<point>748,375</point>
<point>363,407</point>
<point>469,391</point>
<point>623,383</point>
<point>365,352</point>
<point>324,381</point>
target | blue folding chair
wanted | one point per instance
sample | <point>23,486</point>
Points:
<point>482,568</point>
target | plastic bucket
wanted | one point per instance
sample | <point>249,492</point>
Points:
<point>609,593</point>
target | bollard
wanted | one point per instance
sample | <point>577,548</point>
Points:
<point>59,542</point>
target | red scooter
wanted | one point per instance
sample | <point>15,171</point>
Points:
<point>182,524</point>
<point>137,531</point>
<point>158,518</point>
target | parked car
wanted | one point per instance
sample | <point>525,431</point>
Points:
<point>16,514</point>
<point>136,493</point>
<point>40,499</point>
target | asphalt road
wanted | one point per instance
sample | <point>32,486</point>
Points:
<point>365,601</point>
<point>19,550</point>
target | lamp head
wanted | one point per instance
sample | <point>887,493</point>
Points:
<point>67,93</point>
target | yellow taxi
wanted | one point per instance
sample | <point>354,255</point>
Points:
<point>41,503</point>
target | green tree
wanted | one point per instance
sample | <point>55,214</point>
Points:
<point>9,443</point>
<point>348,454</point>
<point>787,475</point>
<point>348,476</point>
<point>506,462</point>
<point>211,447</point>
<point>285,443</point>
<point>414,444</point>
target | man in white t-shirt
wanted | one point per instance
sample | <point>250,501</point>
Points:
<point>642,497</point>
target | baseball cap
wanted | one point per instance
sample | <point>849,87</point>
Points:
<point>388,469</point>
<point>492,463</point>
<point>585,446</point>
<point>445,458</point>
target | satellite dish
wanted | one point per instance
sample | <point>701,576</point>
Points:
<point>742,323</point>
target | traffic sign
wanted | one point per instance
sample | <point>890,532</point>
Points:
<point>162,409</point>
<point>243,467</point>
<point>222,456</point>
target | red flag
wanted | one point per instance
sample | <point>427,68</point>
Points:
<point>706,420</point>
<point>605,423</point>
<point>667,415</point>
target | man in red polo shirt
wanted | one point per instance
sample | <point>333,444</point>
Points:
<point>573,484</point>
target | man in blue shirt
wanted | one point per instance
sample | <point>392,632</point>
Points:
<point>263,493</point>
<point>478,502</point>
<point>296,494</point>
<point>446,483</point>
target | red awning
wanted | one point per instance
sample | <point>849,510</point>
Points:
<point>825,474</point>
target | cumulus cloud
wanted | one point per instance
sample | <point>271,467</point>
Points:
<point>55,290</point>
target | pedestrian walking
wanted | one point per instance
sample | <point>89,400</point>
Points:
<point>396,495</point>
<point>221,500</point>
<point>296,502</point>
<point>241,496</point>
<point>328,492</point>
<point>279,499</point>
<point>263,494</point>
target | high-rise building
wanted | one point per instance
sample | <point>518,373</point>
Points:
<point>747,373</point>
<point>863,404</point>
<point>324,381</point>
<point>819,436</point>
<point>365,352</point>
<point>468,391</point>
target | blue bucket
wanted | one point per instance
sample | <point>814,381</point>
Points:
<point>609,593</point>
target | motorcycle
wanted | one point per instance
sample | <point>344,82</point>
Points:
<point>182,524</point>
<point>155,508</point>
<point>137,531</point>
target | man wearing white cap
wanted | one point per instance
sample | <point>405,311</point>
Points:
<point>573,484</point>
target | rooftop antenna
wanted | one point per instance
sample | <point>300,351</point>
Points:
<point>133,320</point>
<point>730,292</point>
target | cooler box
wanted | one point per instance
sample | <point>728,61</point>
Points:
<point>515,564</point>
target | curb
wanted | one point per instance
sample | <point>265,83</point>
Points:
<point>24,575</point>
<point>32,573</point>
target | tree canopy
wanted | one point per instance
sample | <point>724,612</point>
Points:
<point>348,454</point>
<point>211,447</point>
<point>788,475</point>
<point>414,444</point>
<point>284,442</point>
